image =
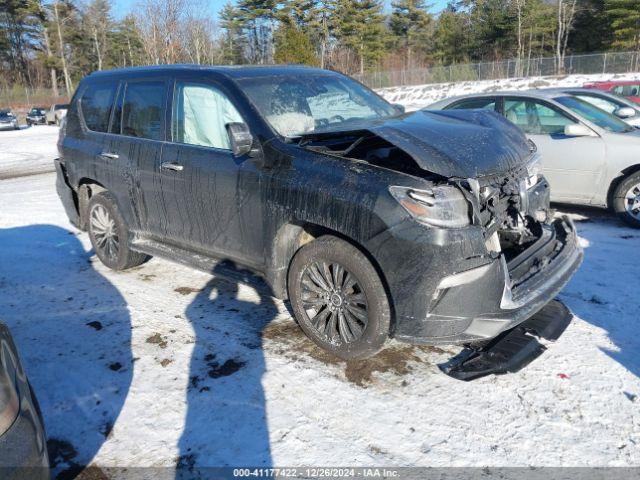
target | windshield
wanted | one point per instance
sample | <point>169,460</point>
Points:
<point>5,114</point>
<point>595,115</point>
<point>300,104</point>
<point>60,106</point>
<point>606,104</point>
<point>36,111</point>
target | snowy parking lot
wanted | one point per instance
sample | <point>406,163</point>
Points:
<point>163,365</point>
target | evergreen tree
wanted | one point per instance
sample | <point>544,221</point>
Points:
<point>412,27</point>
<point>292,45</point>
<point>360,26</point>
<point>233,41</point>
<point>625,23</point>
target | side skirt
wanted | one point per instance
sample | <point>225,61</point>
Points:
<point>225,269</point>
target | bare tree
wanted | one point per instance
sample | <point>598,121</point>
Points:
<point>161,25</point>
<point>52,69</point>
<point>519,6</point>
<point>61,45</point>
<point>97,21</point>
<point>566,16</point>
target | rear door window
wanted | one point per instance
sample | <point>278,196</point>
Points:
<point>485,103</point>
<point>143,109</point>
<point>96,104</point>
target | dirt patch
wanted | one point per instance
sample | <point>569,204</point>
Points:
<point>217,370</point>
<point>115,366</point>
<point>397,359</point>
<point>146,277</point>
<point>165,361</point>
<point>60,451</point>
<point>92,473</point>
<point>157,339</point>
<point>186,290</point>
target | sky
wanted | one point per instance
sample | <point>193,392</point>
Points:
<point>122,7</point>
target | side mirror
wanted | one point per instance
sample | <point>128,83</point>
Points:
<point>577,130</point>
<point>240,138</point>
<point>399,108</point>
<point>625,112</point>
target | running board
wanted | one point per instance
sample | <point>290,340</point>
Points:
<point>224,269</point>
<point>512,350</point>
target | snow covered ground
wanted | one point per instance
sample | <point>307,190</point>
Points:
<point>420,96</point>
<point>28,150</point>
<point>163,365</point>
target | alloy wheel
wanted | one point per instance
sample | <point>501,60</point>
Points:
<point>632,201</point>
<point>103,228</point>
<point>334,302</point>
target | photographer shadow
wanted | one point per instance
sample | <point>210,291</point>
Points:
<point>226,422</point>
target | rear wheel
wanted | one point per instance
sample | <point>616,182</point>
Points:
<point>626,200</point>
<point>338,298</point>
<point>109,234</point>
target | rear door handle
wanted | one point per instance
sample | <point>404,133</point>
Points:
<point>112,156</point>
<point>171,166</point>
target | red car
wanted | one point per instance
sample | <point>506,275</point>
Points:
<point>629,89</point>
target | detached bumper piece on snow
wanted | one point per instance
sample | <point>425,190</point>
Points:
<point>513,349</point>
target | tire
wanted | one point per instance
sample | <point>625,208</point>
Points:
<point>626,200</point>
<point>109,233</point>
<point>349,317</point>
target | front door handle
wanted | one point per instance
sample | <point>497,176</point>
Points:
<point>171,166</point>
<point>112,156</point>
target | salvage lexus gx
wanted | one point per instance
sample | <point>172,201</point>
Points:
<point>430,227</point>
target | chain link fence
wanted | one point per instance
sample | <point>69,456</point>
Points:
<point>610,62</point>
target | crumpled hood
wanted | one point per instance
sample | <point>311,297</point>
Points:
<point>458,143</point>
<point>455,143</point>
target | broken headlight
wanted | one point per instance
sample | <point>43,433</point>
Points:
<point>439,206</point>
<point>534,170</point>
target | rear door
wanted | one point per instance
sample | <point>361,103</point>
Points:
<point>211,199</point>
<point>570,164</point>
<point>134,148</point>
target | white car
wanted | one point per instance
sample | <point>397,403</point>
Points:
<point>56,113</point>
<point>589,156</point>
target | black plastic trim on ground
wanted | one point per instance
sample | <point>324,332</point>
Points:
<point>511,350</point>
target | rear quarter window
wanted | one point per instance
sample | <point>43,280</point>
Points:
<point>96,104</point>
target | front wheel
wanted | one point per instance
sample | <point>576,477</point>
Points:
<point>626,200</point>
<point>109,234</point>
<point>338,298</point>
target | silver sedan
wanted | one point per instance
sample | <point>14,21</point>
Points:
<point>589,156</point>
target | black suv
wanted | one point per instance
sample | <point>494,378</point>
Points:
<point>430,227</point>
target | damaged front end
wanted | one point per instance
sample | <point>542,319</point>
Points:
<point>482,251</point>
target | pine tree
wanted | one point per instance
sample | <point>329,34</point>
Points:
<point>625,23</point>
<point>359,25</point>
<point>412,26</point>
<point>233,41</point>
<point>292,45</point>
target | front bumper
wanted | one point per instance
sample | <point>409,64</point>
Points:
<point>462,295</point>
<point>8,126</point>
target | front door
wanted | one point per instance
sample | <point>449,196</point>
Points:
<point>211,199</point>
<point>570,164</point>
